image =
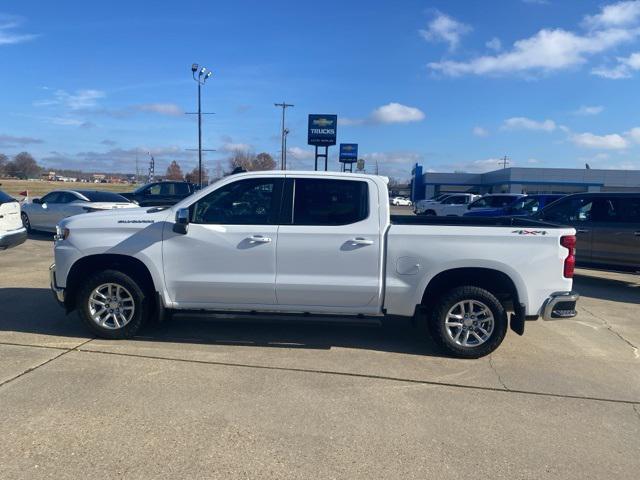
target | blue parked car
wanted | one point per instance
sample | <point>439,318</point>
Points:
<point>510,204</point>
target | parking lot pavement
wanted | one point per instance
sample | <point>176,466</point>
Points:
<point>240,398</point>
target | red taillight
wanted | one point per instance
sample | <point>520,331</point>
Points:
<point>569,242</point>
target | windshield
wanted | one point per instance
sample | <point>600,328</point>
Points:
<point>4,198</point>
<point>94,196</point>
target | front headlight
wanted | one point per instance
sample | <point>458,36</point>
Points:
<point>61,233</point>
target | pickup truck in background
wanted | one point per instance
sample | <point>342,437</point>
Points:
<point>158,194</point>
<point>314,243</point>
<point>607,224</point>
<point>509,204</point>
<point>452,206</point>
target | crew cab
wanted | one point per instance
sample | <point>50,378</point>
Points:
<point>315,244</point>
<point>12,233</point>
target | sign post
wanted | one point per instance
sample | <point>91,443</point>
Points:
<point>322,132</point>
<point>348,155</point>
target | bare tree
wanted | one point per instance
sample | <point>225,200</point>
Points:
<point>174,172</point>
<point>3,163</point>
<point>23,166</point>
<point>193,176</point>
<point>250,162</point>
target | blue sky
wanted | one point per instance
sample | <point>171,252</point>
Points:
<point>453,85</point>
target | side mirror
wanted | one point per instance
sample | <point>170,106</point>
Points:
<point>182,221</point>
<point>37,200</point>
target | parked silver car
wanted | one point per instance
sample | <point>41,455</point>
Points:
<point>45,213</point>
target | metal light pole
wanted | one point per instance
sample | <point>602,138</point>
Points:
<point>286,133</point>
<point>203,74</point>
<point>283,156</point>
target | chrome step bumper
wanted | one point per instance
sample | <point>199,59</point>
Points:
<point>560,305</point>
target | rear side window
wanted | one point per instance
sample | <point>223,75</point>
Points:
<point>180,189</point>
<point>329,202</point>
<point>617,210</point>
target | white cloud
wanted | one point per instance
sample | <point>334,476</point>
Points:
<point>634,134</point>
<point>586,110</point>
<point>480,131</point>
<point>443,28</point>
<point>231,147</point>
<point>396,113</point>
<point>300,153</point>
<point>615,15</point>
<point>523,123</point>
<point>612,141</point>
<point>550,49</point>
<point>622,70</point>
<point>390,113</point>
<point>7,36</point>
<point>161,108</point>
<point>494,44</point>
<point>78,100</point>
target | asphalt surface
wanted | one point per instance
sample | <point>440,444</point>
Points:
<point>197,398</point>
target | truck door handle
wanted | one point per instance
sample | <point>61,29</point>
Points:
<point>582,230</point>
<point>361,241</point>
<point>259,239</point>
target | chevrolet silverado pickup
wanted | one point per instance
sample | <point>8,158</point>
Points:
<point>319,244</point>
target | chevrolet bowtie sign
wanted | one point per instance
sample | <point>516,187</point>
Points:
<point>348,152</point>
<point>322,130</point>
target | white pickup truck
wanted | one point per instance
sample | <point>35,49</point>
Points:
<point>318,244</point>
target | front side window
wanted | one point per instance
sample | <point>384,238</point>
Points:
<point>153,189</point>
<point>329,202</point>
<point>53,197</point>
<point>245,202</point>
<point>526,205</point>
<point>456,200</point>
<point>571,210</point>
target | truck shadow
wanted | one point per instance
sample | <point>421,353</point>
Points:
<point>34,311</point>
<point>613,290</point>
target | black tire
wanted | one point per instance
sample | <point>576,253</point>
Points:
<point>25,222</point>
<point>441,333</point>
<point>430,213</point>
<point>140,300</point>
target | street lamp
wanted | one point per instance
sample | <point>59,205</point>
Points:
<point>203,73</point>
<point>283,157</point>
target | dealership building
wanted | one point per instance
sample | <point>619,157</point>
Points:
<point>524,180</point>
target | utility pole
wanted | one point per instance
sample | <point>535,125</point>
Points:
<point>504,161</point>
<point>283,156</point>
<point>152,169</point>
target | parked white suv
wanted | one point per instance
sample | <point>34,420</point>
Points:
<point>313,243</point>
<point>12,233</point>
<point>452,206</point>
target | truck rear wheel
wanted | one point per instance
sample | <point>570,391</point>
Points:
<point>469,322</point>
<point>112,305</point>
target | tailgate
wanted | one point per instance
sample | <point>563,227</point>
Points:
<point>10,216</point>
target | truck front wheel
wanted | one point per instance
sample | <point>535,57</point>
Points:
<point>112,305</point>
<point>469,322</point>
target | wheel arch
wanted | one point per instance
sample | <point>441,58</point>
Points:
<point>495,281</point>
<point>131,266</point>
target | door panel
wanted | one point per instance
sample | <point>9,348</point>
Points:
<point>221,264</point>
<point>330,265</point>
<point>227,258</point>
<point>616,231</point>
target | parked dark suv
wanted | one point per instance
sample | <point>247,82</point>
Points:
<point>160,193</point>
<point>608,227</point>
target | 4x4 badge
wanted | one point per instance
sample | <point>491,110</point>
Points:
<point>530,232</point>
